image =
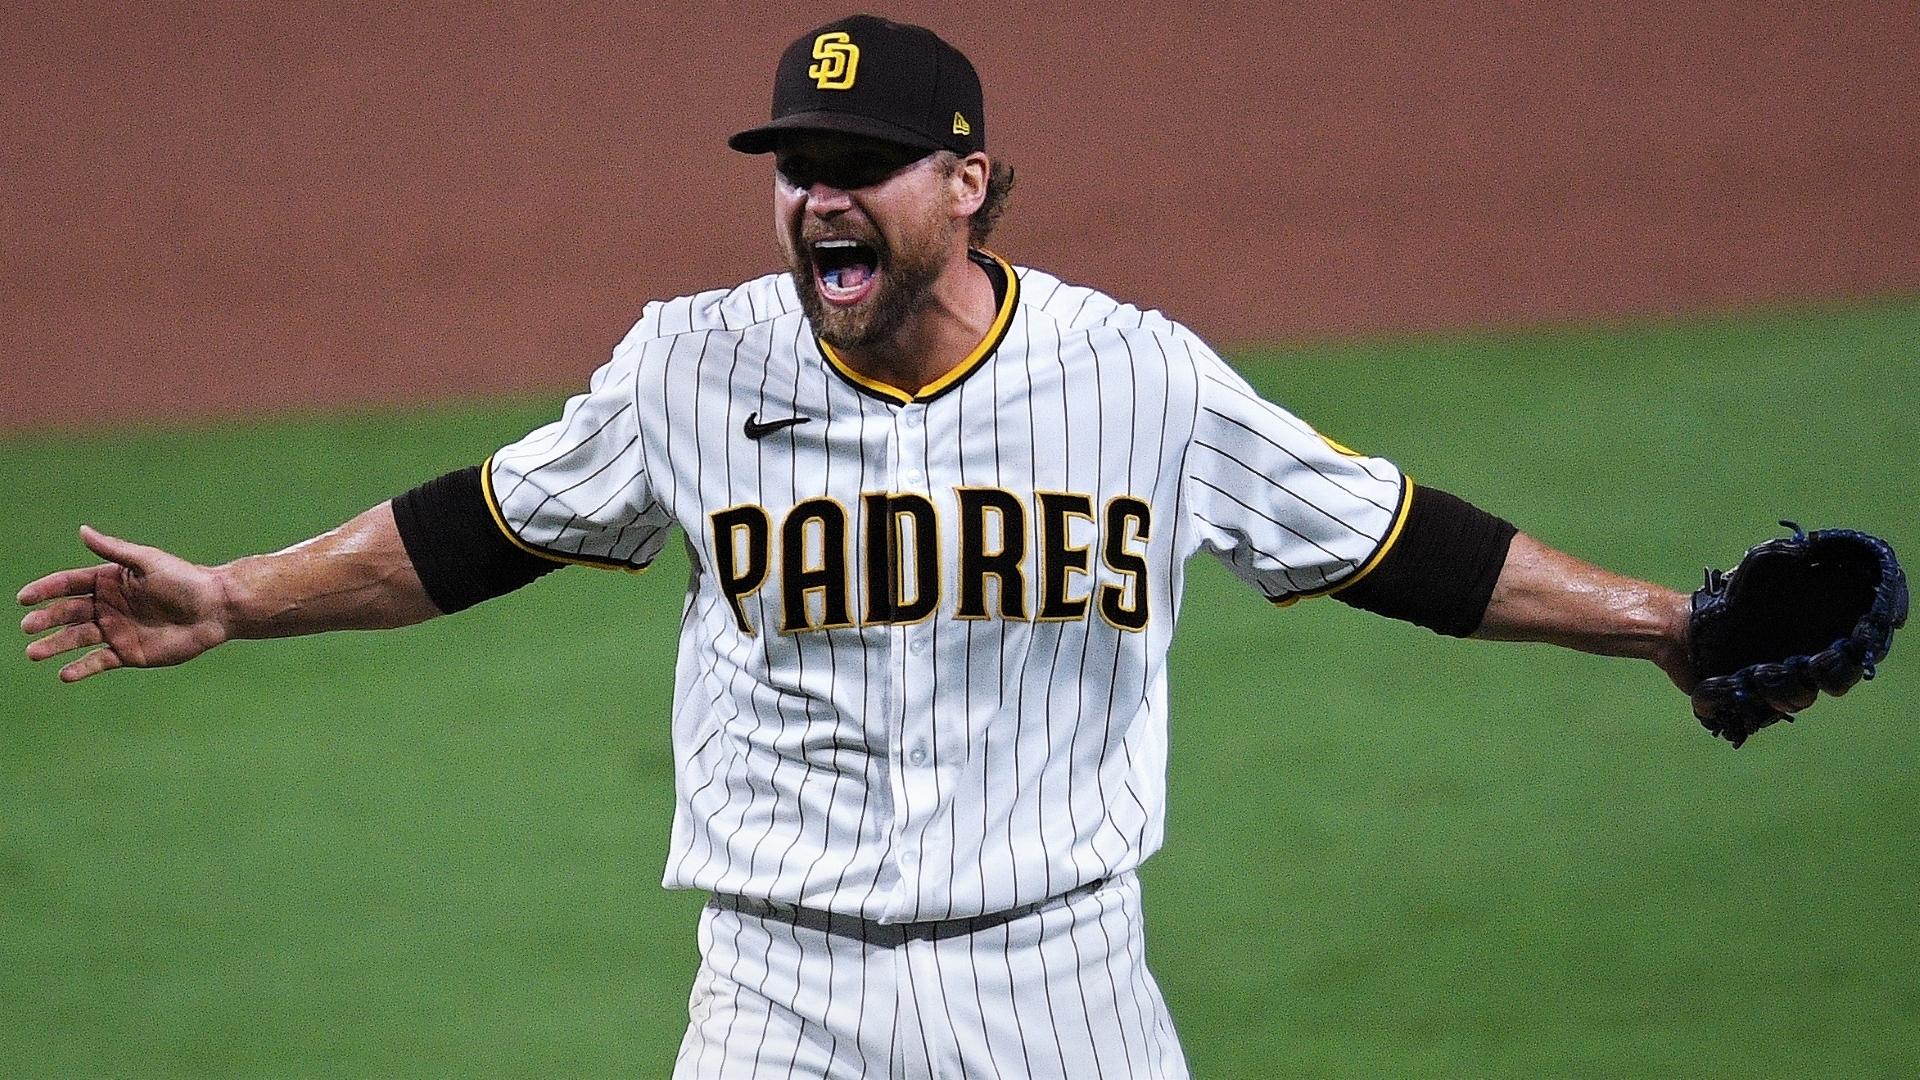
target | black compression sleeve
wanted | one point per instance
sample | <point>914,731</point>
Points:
<point>1441,572</point>
<point>461,555</point>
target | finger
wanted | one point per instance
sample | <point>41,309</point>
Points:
<point>93,663</point>
<point>125,552</point>
<point>1840,679</point>
<point>67,639</point>
<point>1710,700</point>
<point>71,610</point>
<point>1791,702</point>
<point>62,583</point>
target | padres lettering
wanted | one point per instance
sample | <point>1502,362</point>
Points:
<point>838,58</point>
<point>901,545</point>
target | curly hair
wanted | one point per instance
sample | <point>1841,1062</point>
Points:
<point>999,184</point>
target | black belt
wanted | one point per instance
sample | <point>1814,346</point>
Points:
<point>881,933</point>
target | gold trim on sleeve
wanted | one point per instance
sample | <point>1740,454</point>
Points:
<point>1379,553</point>
<point>499,519</point>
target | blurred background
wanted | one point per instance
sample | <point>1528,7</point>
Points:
<point>214,209</point>
<point>1643,278</point>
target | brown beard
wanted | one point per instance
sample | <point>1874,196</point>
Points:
<point>907,276</point>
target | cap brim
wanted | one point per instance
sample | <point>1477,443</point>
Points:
<point>766,138</point>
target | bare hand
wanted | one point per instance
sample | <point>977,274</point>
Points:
<point>147,608</point>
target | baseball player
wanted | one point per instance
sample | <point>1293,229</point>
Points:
<point>938,508</point>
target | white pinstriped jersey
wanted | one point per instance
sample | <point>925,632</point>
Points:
<point>922,661</point>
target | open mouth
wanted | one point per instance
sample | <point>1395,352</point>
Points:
<point>845,270</point>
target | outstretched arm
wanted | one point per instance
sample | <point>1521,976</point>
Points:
<point>148,608</point>
<point>1547,595</point>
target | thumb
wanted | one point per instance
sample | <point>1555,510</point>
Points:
<point>136,557</point>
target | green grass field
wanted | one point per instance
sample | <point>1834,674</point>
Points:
<point>436,852</point>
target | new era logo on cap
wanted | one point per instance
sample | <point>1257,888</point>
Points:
<point>865,75</point>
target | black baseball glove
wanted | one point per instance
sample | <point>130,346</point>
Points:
<point>1802,614</point>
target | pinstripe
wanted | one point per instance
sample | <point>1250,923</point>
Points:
<point>833,801</point>
<point>904,961</point>
<point>869,685</point>
<point>826,1008</point>
<point>771,778</point>
<point>833,646</point>
<point>577,484</point>
<point>1077,679</point>
<point>1100,804</point>
<point>1113,675</point>
<point>724,994</point>
<point>765,992</point>
<point>1052,761</point>
<point>1045,741</point>
<point>1318,471</point>
<point>1023,717</point>
<point>965,664</point>
<point>735,954</point>
<point>1055,1042</point>
<point>1238,388</point>
<point>575,448</point>
<point>669,478</point>
<point>737,646</point>
<point>1108,958</point>
<point>1071,934</point>
<point>800,661</point>
<point>873,760</point>
<point>1240,560</point>
<point>896,1060</point>
<point>1019,1012</point>
<point>1268,480</point>
<point>1264,515</point>
<point>762,966</point>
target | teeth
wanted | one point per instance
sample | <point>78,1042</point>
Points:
<point>836,243</point>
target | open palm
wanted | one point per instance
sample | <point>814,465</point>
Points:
<point>147,607</point>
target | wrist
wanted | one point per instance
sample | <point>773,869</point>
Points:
<point>1663,625</point>
<point>1671,648</point>
<point>226,617</point>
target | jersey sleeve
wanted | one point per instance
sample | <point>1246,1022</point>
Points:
<point>1288,511</point>
<point>577,490</point>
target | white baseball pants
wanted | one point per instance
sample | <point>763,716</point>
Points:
<point>1059,990</point>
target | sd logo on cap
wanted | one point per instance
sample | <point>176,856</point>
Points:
<point>839,60</point>
<point>869,76</point>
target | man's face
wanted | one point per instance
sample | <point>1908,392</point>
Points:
<point>867,227</point>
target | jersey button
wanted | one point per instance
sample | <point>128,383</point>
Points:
<point>918,755</point>
<point>913,419</point>
<point>914,476</point>
<point>919,646</point>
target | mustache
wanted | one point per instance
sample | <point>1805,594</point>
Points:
<point>810,234</point>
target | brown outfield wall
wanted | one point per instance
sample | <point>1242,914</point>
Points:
<point>210,211</point>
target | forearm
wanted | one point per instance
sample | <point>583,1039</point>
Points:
<point>1547,595</point>
<point>355,577</point>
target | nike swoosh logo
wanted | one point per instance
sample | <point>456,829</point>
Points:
<point>757,430</point>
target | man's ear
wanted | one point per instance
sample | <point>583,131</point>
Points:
<point>969,183</point>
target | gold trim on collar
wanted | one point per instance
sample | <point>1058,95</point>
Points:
<point>995,332</point>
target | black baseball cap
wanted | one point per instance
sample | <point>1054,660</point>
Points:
<point>864,75</point>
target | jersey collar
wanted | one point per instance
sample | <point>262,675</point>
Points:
<point>1006,287</point>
